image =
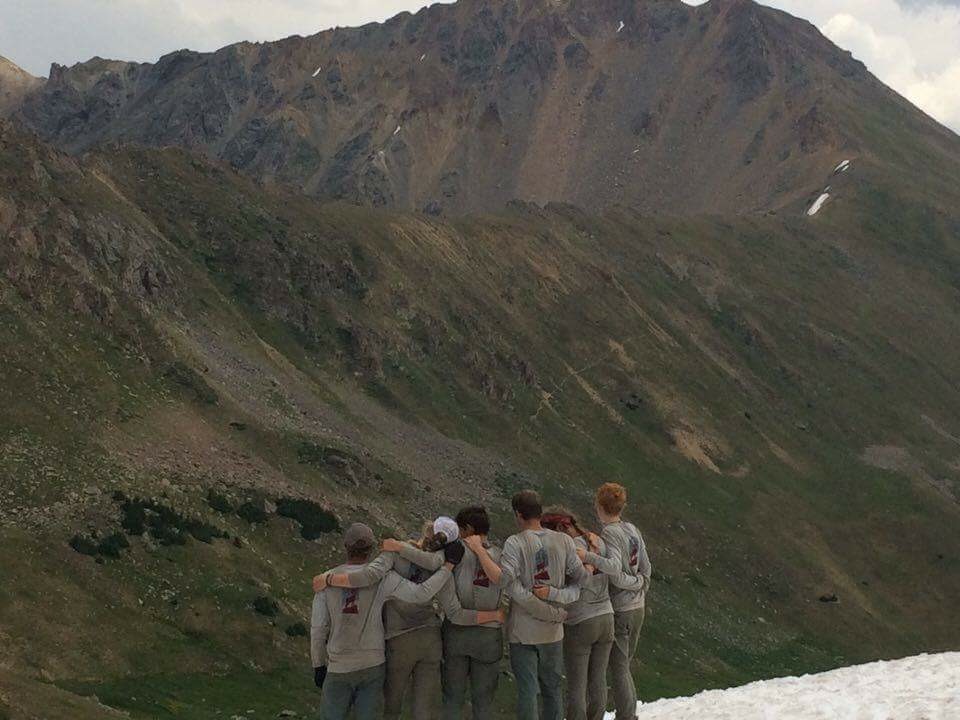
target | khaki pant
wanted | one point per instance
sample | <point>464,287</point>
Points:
<point>626,636</point>
<point>586,655</point>
<point>471,657</point>
<point>413,661</point>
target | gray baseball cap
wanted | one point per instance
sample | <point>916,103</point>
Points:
<point>359,536</point>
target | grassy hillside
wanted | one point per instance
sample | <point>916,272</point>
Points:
<point>203,379</point>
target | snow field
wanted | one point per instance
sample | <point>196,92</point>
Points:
<point>925,687</point>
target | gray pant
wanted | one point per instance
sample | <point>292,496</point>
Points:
<point>471,656</point>
<point>361,690</point>
<point>538,670</point>
<point>586,654</point>
<point>413,661</point>
<point>626,636</point>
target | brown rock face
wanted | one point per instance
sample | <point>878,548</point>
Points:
<point>724,108</point>
<point>15,84</point>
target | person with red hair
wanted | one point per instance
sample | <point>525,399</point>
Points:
<point>628,567</point>
<point>588,629</point>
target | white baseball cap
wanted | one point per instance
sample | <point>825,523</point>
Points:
<point>447,526</point>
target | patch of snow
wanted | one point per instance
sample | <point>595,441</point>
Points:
<point>317,71</point>
<point>815,208</point>
<point>397,131</point>
<point>925,687</point>
<point>842,167</point>
<point>622,26</point>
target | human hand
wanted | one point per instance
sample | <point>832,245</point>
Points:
<point>501,615</point>
<point>320,583</point>
<point>474,542</point>
<point>582,554</point>
<point>542,592</point>
<point>391,545</point>
<point>594,540</point>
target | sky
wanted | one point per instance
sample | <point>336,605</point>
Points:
<point>912,45</point>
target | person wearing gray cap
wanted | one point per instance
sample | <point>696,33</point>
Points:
<point>347,637</point>
<point>414,649</point>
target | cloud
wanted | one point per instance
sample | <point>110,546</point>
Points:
<point>912,45</point>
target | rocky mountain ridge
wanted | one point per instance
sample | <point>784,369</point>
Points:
<point>729,107</point>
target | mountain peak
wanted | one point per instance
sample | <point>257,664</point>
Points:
<point>467,106</point>
<point>15,84</point>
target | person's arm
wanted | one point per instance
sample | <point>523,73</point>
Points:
<point>370,574</point>
<point>417,594</point>
<point>511,564</point>
<point>490,567</point>
<point>459,615</point>
<point>575,572</point>
<point>319,631</point>
<point>567,595</point>
<point>422,558</point>
<point>612,565</point>
<point>534,606</point>
<point>645,567</point>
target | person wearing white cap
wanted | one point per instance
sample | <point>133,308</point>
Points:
<point>413,640</point>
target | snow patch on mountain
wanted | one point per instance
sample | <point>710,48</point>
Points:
<point>818,203</point>
<point>925,687</point>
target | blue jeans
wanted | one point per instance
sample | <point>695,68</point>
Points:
<point>538,670</point>
<point>361,690</point>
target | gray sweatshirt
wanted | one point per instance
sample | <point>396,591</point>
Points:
<point>411,564</point>
<point>347,632</point>
<point>539,557</point>
<point>594,598</point>
<point>627,564</point>
<point>470,590</point>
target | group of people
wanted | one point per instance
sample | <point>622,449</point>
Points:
<point>425,619</point>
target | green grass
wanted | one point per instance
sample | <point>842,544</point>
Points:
<point>830,336</point>
<point>203,696</point>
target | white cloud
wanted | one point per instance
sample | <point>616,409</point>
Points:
<point>912,45</point>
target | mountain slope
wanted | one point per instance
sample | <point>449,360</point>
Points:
<point>729,107</point>
<point>15,85</point>
<point>217,375</point>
